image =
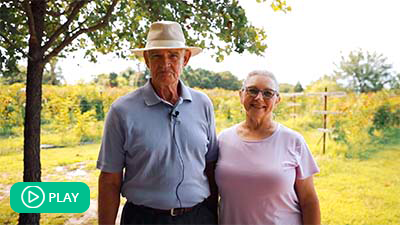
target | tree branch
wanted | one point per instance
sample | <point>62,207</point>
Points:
<point>18,49</point>
<point>55,14</point>
<point>80,25</point>
<point>67,11</point>
<point>77,6</point>
<point>102,23</point>
<point>31,21</point>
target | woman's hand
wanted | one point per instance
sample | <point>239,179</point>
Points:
<point>308,201</point>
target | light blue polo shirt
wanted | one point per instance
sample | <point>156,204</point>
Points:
<point>160,145</point>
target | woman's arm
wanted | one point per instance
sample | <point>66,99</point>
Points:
<point>308,201</point>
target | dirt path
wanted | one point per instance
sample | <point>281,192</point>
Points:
<point>4,191</point>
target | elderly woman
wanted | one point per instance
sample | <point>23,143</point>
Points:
<point>265,170</point>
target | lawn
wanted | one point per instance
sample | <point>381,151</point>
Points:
<point>351,191</point>
<point>360,191</point>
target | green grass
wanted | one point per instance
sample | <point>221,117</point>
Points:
<point>351,191</point>
<point>50,136</point>
<point>355,191</point>
<point>11,145</point>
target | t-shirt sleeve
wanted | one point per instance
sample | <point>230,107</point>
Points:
<point>112,155</point>
<point>306,165</point>
<point>212,153</point>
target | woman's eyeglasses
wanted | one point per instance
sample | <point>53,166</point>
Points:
<point>267,93</point>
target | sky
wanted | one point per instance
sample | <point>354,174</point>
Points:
<point>303,45</point>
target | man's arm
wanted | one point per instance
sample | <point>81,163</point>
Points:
<point>109,197</point>
<point>213,199</point>
<point>211,161</point>
<point>308,201</point>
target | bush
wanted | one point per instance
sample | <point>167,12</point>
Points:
<point>383,118</point>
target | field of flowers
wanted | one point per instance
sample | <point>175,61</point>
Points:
<point>74,115</point>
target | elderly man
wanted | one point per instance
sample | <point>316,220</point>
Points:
<point>159,145</point>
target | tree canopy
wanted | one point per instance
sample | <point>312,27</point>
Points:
<point>363,71</point>
<point>203,78</point>
<point>298,87</point>
<point>67,26</point>
<point>200,78</point>
<point>329,82</point>
<point>285,87</point>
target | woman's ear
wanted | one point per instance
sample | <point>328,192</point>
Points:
<point>241,93</point>
<point>277,101</point>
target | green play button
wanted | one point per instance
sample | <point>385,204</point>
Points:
<point>50,197</point>
<point>32,197</point>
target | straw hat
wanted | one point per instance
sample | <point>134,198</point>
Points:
<point>166,35</point>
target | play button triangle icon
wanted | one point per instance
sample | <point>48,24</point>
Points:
<point>30,193</point>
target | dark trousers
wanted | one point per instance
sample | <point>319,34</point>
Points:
<point>133,214</point>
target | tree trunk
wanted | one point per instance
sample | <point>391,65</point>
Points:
<point>32,167</point>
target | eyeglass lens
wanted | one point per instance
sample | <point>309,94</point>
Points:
<point>266,93</point>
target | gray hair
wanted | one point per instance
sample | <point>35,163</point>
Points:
<point>264,73</point>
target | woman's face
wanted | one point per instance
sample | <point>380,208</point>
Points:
<point>259,97</point>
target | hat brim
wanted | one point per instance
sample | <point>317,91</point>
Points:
<point>140,51</point>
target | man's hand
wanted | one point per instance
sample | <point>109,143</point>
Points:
<point>212,201</point>
<point>109,197</point>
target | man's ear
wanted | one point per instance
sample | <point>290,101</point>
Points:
<point>186,57</point>
<point>146,59</point>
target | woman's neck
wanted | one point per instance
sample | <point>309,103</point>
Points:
<point>253,129</point>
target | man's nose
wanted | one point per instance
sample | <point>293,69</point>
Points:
<point>166,62</point>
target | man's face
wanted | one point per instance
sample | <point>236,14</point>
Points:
<point>166,65</point>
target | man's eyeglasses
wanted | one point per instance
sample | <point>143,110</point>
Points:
<point>267,93</point>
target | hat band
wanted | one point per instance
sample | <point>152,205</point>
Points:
<point>166,44</point>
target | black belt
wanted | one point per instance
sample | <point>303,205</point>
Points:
<point>171,212</point>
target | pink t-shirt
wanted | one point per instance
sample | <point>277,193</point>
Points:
<point>256,178</point>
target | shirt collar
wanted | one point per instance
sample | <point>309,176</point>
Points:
<point>151,97</point>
